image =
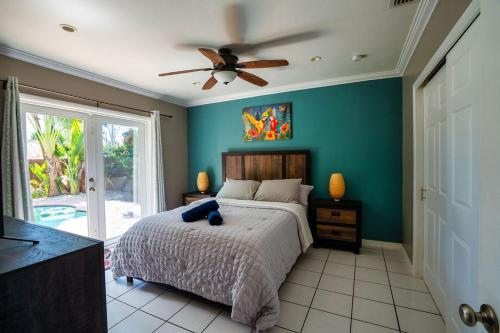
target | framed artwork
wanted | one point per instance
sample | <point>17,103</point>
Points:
<point>267,122</point>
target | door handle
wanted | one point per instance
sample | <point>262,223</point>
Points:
<point>423,191</point>
<point>92,188</point>
<point>486,316</point>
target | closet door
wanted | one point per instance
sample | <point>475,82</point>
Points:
<point>451,224</point>
<point>463,112</point>
<point>451,219</point>
<point>436,228</point>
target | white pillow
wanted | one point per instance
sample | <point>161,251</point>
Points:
<point>279,190</point>
<point>304,191</point>
<point>238,189</point>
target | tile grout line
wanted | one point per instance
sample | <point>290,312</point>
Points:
<point>321,274</point>
<point>109,328</point>
<point>350,295</point>
<point>164,321</point>
<point>314,295</point>
<point>353,286</point>
<point>167,322</point>
<point>210,323</point>
<point>140,309</point>
<point>392,295</point>
<point>354,281</point>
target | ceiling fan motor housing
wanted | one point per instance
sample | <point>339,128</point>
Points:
<point>226,73</point>
<point>230,59</point>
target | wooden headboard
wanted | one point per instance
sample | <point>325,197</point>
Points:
<point>265,165</point>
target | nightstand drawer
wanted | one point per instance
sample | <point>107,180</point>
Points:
<point>188,200</point>
<point>337,233</point>
<point>336,215</point>
<point>189,197</point>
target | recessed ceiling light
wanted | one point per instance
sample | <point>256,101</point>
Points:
<point>196,83</point>
<point>315,59</point>
<point>68,28</point>
<point>358,57</point>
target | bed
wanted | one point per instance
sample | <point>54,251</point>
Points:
<point>241,263</point>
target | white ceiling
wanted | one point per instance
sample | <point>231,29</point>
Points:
<point>132,41</point>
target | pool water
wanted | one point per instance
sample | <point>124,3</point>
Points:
<point>54,215</point>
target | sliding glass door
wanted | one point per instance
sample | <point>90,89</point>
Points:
<point>87,171</point>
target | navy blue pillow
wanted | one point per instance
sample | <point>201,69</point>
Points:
<point>214,218</point>
<point>200,212</point>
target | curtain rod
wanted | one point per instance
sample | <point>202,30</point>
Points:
<point>98,103</point>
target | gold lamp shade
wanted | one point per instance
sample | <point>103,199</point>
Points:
<point>337,186</point>
<point>202,181</point>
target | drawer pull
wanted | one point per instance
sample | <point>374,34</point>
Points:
<point>329,215</point>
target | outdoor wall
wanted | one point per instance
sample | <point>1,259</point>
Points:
<point>351,128</point>
<point>174,130</point>
<point>444,17</point>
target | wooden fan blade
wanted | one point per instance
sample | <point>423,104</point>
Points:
<point>254,79</point>
<point>263,63</point>
<point>185,71</point>
<point>213,56</point>
<point>210,83</point>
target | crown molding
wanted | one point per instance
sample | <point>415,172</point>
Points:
<point>420,20</point>
<point>57,66</point>
<point>424,11</point>
<point>296,86</point>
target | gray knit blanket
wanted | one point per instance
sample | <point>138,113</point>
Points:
<point>241,263</point>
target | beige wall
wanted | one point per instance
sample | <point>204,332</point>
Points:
<point>174,130</point>
<point>444,17</point>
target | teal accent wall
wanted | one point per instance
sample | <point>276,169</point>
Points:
<point>355,129</point>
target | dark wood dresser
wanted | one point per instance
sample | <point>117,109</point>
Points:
<point>54,286</point>
<point>336,223</point>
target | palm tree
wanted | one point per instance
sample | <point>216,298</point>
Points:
<point>74,155</point>
<point>49,138</point>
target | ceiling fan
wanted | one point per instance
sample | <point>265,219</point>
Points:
<point>226,68</point>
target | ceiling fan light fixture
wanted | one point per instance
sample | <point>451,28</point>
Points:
<point>315,59</point>
<point>196,83</point>
<point>225,76</point>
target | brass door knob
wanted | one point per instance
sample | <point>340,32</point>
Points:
<point>486,316</point>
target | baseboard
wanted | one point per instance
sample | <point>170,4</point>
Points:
<point>385,245</point>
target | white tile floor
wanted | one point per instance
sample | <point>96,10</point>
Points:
<point>327,291</point>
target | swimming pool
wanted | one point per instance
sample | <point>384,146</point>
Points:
<point>54,215</point>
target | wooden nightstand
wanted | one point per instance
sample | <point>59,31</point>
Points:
<point>189,197</point>
<point>336,224</point>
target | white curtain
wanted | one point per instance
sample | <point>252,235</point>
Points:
<point>158,152</point>
<point>15,182</point>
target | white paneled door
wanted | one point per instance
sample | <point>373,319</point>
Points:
<point>436,223</point>
<point>463,92</point>
<point>454,118</point>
